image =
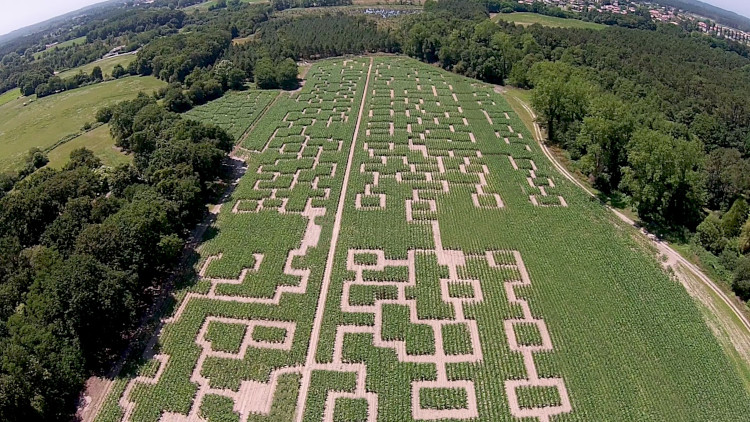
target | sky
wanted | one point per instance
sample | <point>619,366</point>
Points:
<point>20,13</point>
<point>737,6</point>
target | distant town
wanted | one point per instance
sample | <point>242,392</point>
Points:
<point>659,13</point>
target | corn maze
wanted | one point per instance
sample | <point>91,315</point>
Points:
<point>398,249</point>
<point>235,111</point>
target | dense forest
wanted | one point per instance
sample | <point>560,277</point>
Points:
<point>85,248</point>
<point>654,115</point>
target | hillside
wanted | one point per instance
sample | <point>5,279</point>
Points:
<point>718,14</point>
<point>41,123</point>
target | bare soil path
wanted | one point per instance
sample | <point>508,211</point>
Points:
<point>320,310</point>
<point>97,388</point>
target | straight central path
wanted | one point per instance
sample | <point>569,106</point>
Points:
<point>327,274</point>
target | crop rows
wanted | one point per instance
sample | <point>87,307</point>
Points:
<point>234,112</point>
<point>234,345</point>
<point>400,250</point>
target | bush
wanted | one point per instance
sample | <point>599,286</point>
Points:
<point>118,71</point>
<point>104,114</point>
<point>741,283</point>
<point>711,234</point>
<point>734,218</point>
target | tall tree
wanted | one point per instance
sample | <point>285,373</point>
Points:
<point>664,176</point>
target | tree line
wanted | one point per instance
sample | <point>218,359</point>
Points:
<point>84,249</point>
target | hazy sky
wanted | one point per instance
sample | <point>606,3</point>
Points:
<point>19,13</point>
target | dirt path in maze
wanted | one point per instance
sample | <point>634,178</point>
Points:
<point>320,310</point>
<point>98,388</point>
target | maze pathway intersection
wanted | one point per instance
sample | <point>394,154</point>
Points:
<point>365,136</point>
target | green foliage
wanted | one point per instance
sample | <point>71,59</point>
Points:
<point>443,398</point>
<point>286,74</point>
<point>727,177</point>
<point>744,240</point>
<point>603,139</point>
<point>664,177</point>
<point>741,283</point>
<point>173,58</point>
<point>711,233</point>
<point>733,220</point>
<point>265,74</point>
<point>225,337</point>
<point>561,98</point>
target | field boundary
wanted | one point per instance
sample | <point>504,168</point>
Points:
<point>661,245</point>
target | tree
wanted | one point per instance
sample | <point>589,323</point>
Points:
<point>711,234</point>
<point>118,71</point>
<point>236,79</point>
<point>603,139</point>
<point>96,73</point>
<point>104,114</point>
<point>286,74</point>
<point>734,218</point>
<point>83,157</point>
<point>560,97</point>
<point>741,282</point>
<point>265,74</point>
<point>664,176</point>
<point>727,177</point>
<point>175,100</point>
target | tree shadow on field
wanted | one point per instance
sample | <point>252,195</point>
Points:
<point>210,233</point>
<point>618,200</point>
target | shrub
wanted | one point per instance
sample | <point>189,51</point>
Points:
<point>711,234</point>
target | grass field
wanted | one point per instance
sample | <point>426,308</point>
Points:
<point>400,249</point>
<point>235,111</point>
<point>527,18</point>
<point>106,64</point>
<point>9,96</point>
<point>205,5</point>
<point>97,140</point>
<point>43,122</point>
<point>69,43</point>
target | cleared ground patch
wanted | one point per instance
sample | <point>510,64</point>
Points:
<point>527,18</point>
<point>98,140</point>
<point>106,64</point>
<point>205,5</point>
<point>9,96</point>
<point>400,249</point>
<point>42,123</point>
<point>64,44</point>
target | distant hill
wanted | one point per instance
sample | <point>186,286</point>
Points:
<point>717,14</point>
<point>50,23</point>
